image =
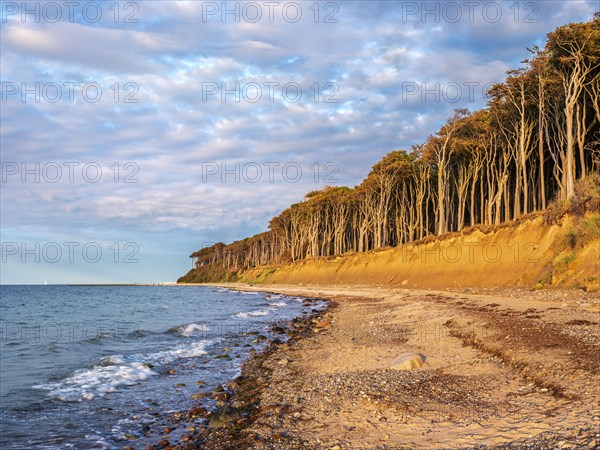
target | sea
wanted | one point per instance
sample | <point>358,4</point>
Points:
<point>86,367</point>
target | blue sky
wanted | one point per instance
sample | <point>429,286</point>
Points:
<point>134,133</point>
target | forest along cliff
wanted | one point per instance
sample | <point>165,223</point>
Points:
<point>529,161</point>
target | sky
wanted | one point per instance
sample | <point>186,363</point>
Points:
<point>135,133</point>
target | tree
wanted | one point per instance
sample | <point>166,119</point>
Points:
<point>575,52</point>
<point>441,148</point>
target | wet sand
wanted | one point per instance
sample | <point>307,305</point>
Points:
<point>503,369</point>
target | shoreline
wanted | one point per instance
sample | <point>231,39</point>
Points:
<point>503,369</point>
<point>221,411</point>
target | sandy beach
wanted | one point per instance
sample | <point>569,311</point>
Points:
<point>503,369</point>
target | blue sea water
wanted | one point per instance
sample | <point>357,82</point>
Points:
<point>98,366</point>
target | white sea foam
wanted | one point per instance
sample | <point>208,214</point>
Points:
<point>87,384</point>
<point>112,360</point>
<point>182,351</point>
<point>190,329</point>
<point>278,304</point>
<point>116,371</point>
<point>193,328</point>
<point>255,313</point>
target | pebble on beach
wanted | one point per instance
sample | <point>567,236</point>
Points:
<point>408,361</point>
<point>224,416</point>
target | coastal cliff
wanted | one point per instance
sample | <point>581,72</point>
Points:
<point>528,253</point>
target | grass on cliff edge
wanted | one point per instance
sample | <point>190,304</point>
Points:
<point>581,218</point>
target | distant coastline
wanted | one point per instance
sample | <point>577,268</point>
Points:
<point>166,283</point>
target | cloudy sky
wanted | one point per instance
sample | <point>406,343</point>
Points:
<point>134,133</point>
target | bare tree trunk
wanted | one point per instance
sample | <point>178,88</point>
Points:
<point>541,124</point>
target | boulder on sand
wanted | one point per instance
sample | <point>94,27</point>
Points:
<point>408,361</point>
